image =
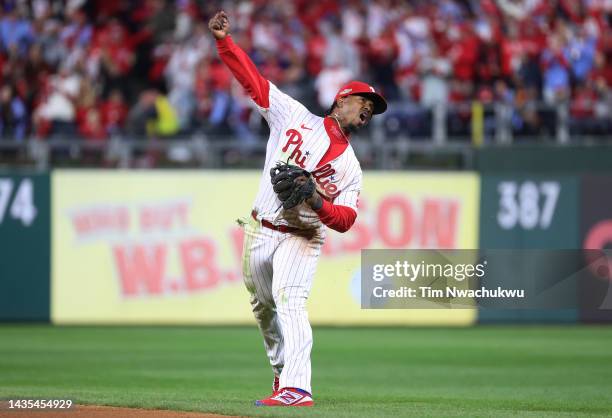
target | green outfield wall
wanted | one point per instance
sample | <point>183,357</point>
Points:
<point>543,197</point>
<point>89,247</point>
<point>25,245</point>
<point>528,211</point>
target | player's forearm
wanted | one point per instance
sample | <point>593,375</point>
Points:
<point>337,217</point>
<point>244,70</point>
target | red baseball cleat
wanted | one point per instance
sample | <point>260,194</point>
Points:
<point>287,397</point>
<point>275,385</point>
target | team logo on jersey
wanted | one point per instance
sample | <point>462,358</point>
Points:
<point>325,178</point>
<point>295,138</point>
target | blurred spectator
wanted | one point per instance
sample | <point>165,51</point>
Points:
<point>529,74</point>
<point>435,71</point>
<point>555,72</point>
<point>15,31</point>
<point>180,74</point>
<point>340,52</point>
<point>91,126</point>
<point>113,52</point>
<point>13,115</point>
<point>381,55</point>
<point>583,105</point>
<point>580,52</point>
<point>88,121</point>
<point>114,112</point>
<point>48,36</point>
<point>329,80</point>
<point>152,116</point>
<point>78,32</point>
<point>56,113</point>
<point>526,120</point>
<point>603,105</point>
<point>141,114</point>
<point>217,84</point>
<point>521,52</point>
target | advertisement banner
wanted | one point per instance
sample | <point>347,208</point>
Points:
<point>164,246</point>
<point>24,246</point>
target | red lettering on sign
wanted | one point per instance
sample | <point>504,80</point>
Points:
<point>399,222</point>
<point>164,217</point>
<point>199,264</point>
<point>141,268</point>
<point>101,220</point>
<point>439,224</point>
<point>398,234</point>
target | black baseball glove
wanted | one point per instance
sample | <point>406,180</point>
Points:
<point>292,184</point>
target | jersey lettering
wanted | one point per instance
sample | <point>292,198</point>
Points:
<point>323,176</point>
<point>295,138</point>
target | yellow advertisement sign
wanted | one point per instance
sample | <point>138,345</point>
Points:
<point>164,247</point>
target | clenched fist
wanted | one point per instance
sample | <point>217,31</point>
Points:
<point>219,25</point>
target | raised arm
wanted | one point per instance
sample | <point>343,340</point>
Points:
<point>239,62</point>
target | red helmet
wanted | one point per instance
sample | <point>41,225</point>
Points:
<point>360,88</point>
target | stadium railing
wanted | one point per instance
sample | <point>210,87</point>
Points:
<point>407,136</point>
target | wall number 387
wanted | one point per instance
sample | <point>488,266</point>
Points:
<point>528,204</point>
<point>22,206</point>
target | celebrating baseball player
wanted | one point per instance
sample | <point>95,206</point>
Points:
<point>312,179</point>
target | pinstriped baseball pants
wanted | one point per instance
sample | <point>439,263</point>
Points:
<point>278,271</point>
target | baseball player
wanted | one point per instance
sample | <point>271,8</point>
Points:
<point>321,180</point>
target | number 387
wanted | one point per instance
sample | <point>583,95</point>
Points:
<point>528,204</point>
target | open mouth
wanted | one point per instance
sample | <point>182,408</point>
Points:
<point>364,117</point>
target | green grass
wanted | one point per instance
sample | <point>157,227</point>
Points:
<point>483,371</point>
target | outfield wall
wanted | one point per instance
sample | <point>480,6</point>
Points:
<point>164,247</point>
<point>25,244</point>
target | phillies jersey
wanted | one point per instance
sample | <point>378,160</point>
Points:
<point>301,138</point>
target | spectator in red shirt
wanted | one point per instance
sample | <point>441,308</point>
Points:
<point>114,53</point>
<point>91,126</point>
<point>114,112</point>
<point>464,53</point>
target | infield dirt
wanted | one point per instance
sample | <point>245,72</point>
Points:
<point>94,411</point>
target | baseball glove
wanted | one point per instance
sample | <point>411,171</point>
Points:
<point>292,184</point>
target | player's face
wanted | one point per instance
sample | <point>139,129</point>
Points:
<point>357,112</point>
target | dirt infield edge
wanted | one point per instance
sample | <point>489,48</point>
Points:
<point>99,411</point>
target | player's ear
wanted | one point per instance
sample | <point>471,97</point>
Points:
<point>340,102</point>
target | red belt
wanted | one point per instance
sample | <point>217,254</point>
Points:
<point>270,225</point>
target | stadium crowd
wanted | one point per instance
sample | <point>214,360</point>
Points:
<point>148,68</point>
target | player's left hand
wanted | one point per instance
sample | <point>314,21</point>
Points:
<point>292,184</point>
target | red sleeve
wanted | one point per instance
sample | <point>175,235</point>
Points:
<point>244,70</point>
<point>337,217</point>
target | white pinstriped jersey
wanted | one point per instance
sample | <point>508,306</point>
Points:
<point>300,137</point>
